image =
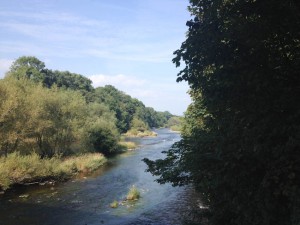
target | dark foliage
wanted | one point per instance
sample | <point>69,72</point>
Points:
<point>241,147</point>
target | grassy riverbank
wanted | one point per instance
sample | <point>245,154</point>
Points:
<point>137,133</point>
<point>18,169</point>
<point>127,145</point>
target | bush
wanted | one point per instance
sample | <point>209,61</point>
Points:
<point>101,136</point>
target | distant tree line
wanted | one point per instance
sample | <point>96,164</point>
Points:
<point>59,113</point>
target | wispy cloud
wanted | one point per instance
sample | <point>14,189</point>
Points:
<point>102,37</point>
<point>120,80</point>
<point>93,37</point>
<point>4,66</point>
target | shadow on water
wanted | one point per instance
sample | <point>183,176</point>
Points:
<point>86,200</point>
<point>47,215</point>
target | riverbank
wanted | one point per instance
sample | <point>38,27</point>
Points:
<point>17,169</point>
<point>87,201</point>
<point>135,133</point>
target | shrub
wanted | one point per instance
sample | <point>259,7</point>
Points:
<point>101,137</point>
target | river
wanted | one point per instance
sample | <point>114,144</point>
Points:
<point>86,200</point>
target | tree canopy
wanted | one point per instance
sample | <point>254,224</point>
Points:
<point>240,145</point>
<point>53,112</point>
<point>128,110</point>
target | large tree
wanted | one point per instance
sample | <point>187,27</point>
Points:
<point>27,67</point>
<point>30,67</point>
<point>241,143</point>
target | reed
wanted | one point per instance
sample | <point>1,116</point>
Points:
<point>20,169</point>
<point>133,193</point>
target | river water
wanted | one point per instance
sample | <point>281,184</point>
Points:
<point>86,200</point>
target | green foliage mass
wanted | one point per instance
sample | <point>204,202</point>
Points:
<point>240,145</point>
<point>33,69</point>
<point>119,102</point>
<point>42,120</point>
<point>130,112</point>
<point>59,113</point>
<point>175,123</point>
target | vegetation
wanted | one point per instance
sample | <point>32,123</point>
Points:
<point>131,113</point>
<point>240,146</point>
<point>46,113</point>
<point>137,133</point>
<point>83,163</point>
<point>29,67</point>
<point>128,145</point>
<point>20,169</point>
<point>133,193</point>
<point>175,123</point>
<point>114,204</point>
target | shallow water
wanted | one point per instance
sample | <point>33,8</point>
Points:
<point>86,200</point>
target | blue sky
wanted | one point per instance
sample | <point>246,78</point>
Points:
<point>128,44</point>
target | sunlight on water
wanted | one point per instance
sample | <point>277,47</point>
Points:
<point>86,199</point>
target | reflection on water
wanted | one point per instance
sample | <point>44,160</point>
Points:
<point>86,200</point>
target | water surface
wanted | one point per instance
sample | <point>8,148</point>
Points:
<point>86,200</point>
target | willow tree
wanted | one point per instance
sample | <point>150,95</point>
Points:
<point>13,114</point>
<point>241,145</point>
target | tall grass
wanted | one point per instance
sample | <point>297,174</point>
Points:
<point>114,204</point>
<point>133,193</point>
<point>83,163</point>
<point>127,145</point>
<point>18,169</point>
<point>136,133</point>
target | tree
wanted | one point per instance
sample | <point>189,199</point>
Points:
<point>99,132</point>
<point>175,123</point>
<point>27,67</point>
<point>240,147</point>
<point>127,108</point>
<point>138,125</point>
<point>56,117</point>
<point>29,62</point>
<point>13,114</point>
<point>118,102</point>
<point>73,81</point>
<point>102,137</point>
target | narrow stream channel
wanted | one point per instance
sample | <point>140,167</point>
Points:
<point>86,200</point>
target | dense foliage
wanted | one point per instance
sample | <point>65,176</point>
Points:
<point>240,145</point>
<point>60,113</point>
<point>32,68</point>
<point>130,112</point>
<point>41,120</point>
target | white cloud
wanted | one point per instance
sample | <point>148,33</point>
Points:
<point>102,38</point>
<point>136,37</point>
<point>4,66</point>
<point>119,80</point>
<point>161,95</point>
